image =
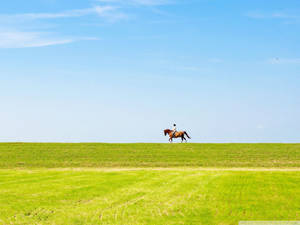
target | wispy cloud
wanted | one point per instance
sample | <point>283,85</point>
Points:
<point>138,2</point>
<point>284,15</point>
<point>108,12</point>
<point>128,4</point>
<point>13,33</point>
<point>19,39</point>
<point>284,61</point>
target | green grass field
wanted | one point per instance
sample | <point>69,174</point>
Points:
<point>20,155</point>
<point>148,183</point>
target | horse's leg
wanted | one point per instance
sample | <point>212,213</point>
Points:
<point>182,139</point>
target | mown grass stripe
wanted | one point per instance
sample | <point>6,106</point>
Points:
<point>150,197</point>
<point>54,155</point>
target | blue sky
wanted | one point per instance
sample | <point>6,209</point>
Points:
<point>122,71</point>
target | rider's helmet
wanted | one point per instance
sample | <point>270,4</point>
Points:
<point>174,125</point>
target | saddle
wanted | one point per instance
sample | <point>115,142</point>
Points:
<point>174,133</point>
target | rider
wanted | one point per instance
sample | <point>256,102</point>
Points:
<point>174,130</point>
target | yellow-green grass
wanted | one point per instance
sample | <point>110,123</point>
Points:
<point>147,196</point>
<point>54,155</point>
<point>212,184</point>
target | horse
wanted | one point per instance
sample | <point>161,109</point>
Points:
<point>178,134</point>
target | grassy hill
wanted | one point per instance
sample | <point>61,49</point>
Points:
<point>41,155</point>
<point>130,184</point>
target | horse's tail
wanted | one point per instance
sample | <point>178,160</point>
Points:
<point>187,134</point>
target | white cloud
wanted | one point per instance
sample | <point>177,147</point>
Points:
<point>138,2</point>
<point>14,34</point>
<point>284,61</point>
<point>19,39</point>
<point>273,15</point>
<point>109,12</point>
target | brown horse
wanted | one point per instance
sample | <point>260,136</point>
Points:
<point>178,134</point>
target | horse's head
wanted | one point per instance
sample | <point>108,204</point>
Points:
<point>167,131</point>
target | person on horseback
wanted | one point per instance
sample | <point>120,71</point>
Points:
<point>174,130</point>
